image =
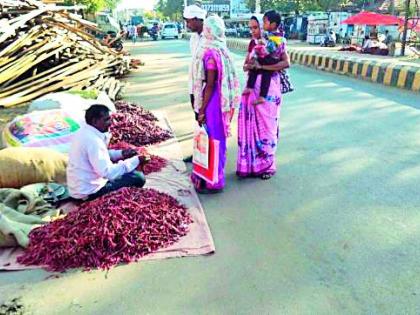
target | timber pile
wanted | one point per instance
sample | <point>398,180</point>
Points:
<point>44,49</point>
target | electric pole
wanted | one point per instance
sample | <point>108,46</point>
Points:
<point>392,7</point>
<point>257,6</point>
<point>407,15</point>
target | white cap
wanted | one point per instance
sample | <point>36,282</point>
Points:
<point>194,11</point>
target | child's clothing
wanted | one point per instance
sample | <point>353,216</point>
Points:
<point>267,52</point>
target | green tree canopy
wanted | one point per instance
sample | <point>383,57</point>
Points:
<point>95,5</point>
<point>299,6</point>
<point>170,8</point>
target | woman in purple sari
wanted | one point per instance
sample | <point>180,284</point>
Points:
<point>258,124</point>
<point>216,95</point>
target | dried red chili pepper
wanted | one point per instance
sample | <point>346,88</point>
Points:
<point>155,164</point>
<point>135,125</point>
<point>115,228</point>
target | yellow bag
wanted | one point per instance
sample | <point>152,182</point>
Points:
<point>23,166</point>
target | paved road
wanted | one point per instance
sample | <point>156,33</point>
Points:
<point>337,231</point>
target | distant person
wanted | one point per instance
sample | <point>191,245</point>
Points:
<point>347,39</point>
<point>133,33</point>
<point>367,43</point>
<point>194,17</point>
<point>127,31</point>
<point>388,38</point>
<point>281,29</point>
<point>333,37</point>
<point>139,30</point>
<point>339,36</point>
<point>374,33</point>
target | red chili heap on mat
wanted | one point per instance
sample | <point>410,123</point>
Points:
<point>136,125</point>
<point>134,109</point>
<point>119,227</point>
<point>155,164</point>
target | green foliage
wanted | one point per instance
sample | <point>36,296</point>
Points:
<point>170,8</point>
<point>149,16</point>
<point>95,5</point>
<point>298,6</point>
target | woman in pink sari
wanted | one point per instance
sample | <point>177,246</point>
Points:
<point>258,124</point>
<point>216,95</point>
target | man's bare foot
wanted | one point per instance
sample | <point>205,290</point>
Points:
<point>259,100</point>
<point>247,91</point>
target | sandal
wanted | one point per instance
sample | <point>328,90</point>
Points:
<point>265,176</point>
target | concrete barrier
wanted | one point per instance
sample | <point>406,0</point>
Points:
<point>398,74</point>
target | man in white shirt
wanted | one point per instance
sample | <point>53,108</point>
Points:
<point>194,17</point>
<point>132,30</point>
<point>91,171</point>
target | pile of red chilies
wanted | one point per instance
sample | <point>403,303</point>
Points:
<point>136,125</point>
<point>119,227</point>
<point>134,109</point>
<point>154,165</point>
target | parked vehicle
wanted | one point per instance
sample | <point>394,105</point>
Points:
<point>244,32</point>
<point>137,20</point>
<point>317,27</point>
<point>327,42</point>
<point>231,32</point>
<point>150,23</point>
<point>154,32</point>
<point>106,23</point>
<point>169,30</point>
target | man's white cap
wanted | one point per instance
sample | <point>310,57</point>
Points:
<point>194,11</point>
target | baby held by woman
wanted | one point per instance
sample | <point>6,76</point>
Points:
<point>266,52</point>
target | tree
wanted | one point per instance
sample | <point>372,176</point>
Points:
<point>153,15</point>
<point>251,5</point>
<point>95,5</point>
<point>297,6</point>
<point>170,8</point>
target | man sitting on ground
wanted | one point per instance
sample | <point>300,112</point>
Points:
<point>91,171</point>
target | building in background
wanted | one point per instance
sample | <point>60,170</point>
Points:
<point>239,10</point>
<point>224,8</point>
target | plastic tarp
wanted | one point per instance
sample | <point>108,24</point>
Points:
<point>51,121</point>
<point>53,129</point>
<point>69,102</point>
<point>371,18</point>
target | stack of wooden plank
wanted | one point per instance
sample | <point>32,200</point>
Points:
<point>45,49</point>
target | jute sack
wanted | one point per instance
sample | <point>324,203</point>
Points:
<point>7,241</point>
<point>23,166</point>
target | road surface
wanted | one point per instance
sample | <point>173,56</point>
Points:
<point>336,231</point>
